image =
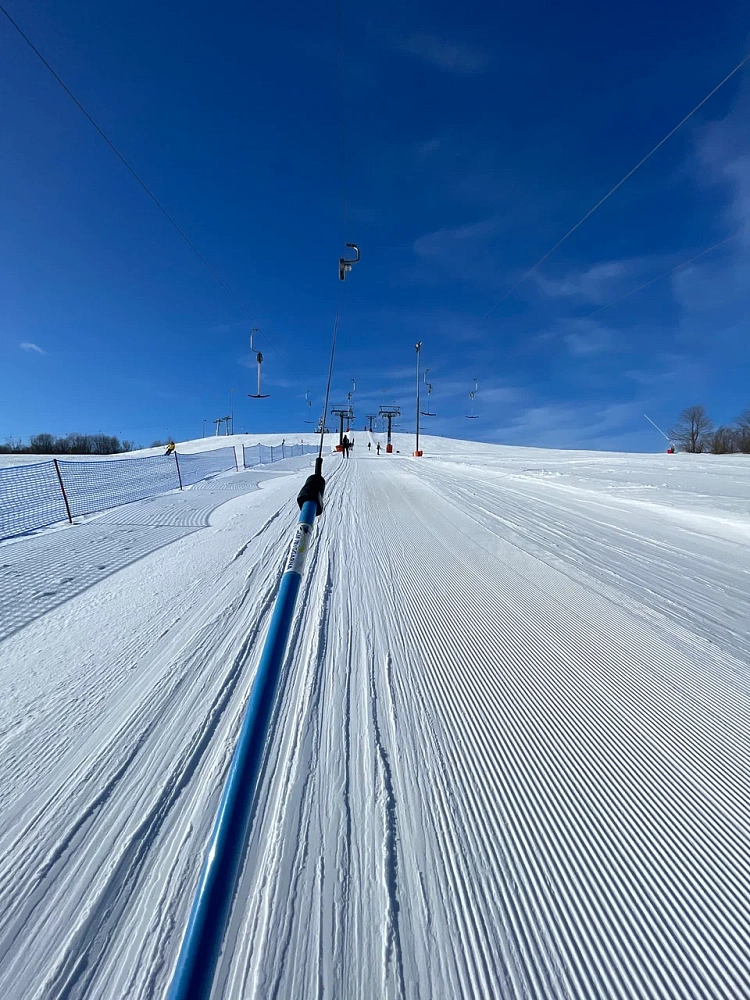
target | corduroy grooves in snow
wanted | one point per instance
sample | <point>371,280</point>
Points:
<point>510,757</point>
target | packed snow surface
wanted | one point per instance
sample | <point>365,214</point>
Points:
<point>510,756</point>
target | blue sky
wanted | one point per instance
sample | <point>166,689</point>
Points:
<point>476,136</point>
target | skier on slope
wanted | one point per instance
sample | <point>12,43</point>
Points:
<point>170,447</point>
<point>369,445</point>
<point>378,448</point>
<point>345,446</point>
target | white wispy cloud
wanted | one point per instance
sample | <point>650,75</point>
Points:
<point>427,148</point>
<point>717,285</point>
<point>597,284</point>
<point>448,55</point>
<point>570,425</point>
<point>586,338</point>
<point>28,346</point>
<point>723,156</point>
<point>444,242</point>
<point>668,369</point>
<point>461,252</point>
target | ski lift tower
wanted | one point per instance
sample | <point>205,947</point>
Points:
<point>343,413</point>
<point>389,412</point>
<point>371,417</point>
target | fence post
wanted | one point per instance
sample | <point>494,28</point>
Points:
<point>272,454</point>
<point>282,450</point>
<point>62,487</point>
<point>179,474</point>
<point>236,467</point>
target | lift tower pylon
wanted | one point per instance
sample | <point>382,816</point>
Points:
<point>343,413</point>
<point>389,412</point>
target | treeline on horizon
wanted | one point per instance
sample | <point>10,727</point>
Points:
<point>71,444</point>
<point>694,432</point>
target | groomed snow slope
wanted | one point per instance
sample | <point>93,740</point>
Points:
<point>510,759</point>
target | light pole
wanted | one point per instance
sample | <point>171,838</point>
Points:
<point>417,452</point>
<point>349,400</point>
<point>231,408</point>
<point>204,427</point>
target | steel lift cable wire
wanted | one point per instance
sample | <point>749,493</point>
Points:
<point>345,265</point>
<point>139,180</point>
<point>618,185</point>
<point>664,274</point>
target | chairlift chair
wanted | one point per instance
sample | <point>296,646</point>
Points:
<point>345,265</point>
<point>259,359</point>
<point>426,413</point>
<point>473,415</point>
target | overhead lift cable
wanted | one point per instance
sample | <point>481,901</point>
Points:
<point>618,185</point>
<point>664,274</point>
<point>137,178</point>
<point>345,264</point>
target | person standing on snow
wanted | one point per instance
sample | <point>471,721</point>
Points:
<point>345,446</point>
<point>378,449</point>
<point>369,445</point>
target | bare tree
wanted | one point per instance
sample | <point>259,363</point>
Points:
<point>42,444</point>
<point>722,441</point>
<point>692,429</point>
<point>742,433</point>
<point>71,444</point>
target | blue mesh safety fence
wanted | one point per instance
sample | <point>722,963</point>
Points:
<point>30,497</point>
<point>261,454</point>
<point>93,486</point>
<point>193,468</point>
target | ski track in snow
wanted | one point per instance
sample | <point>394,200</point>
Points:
<point>510,756</point>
